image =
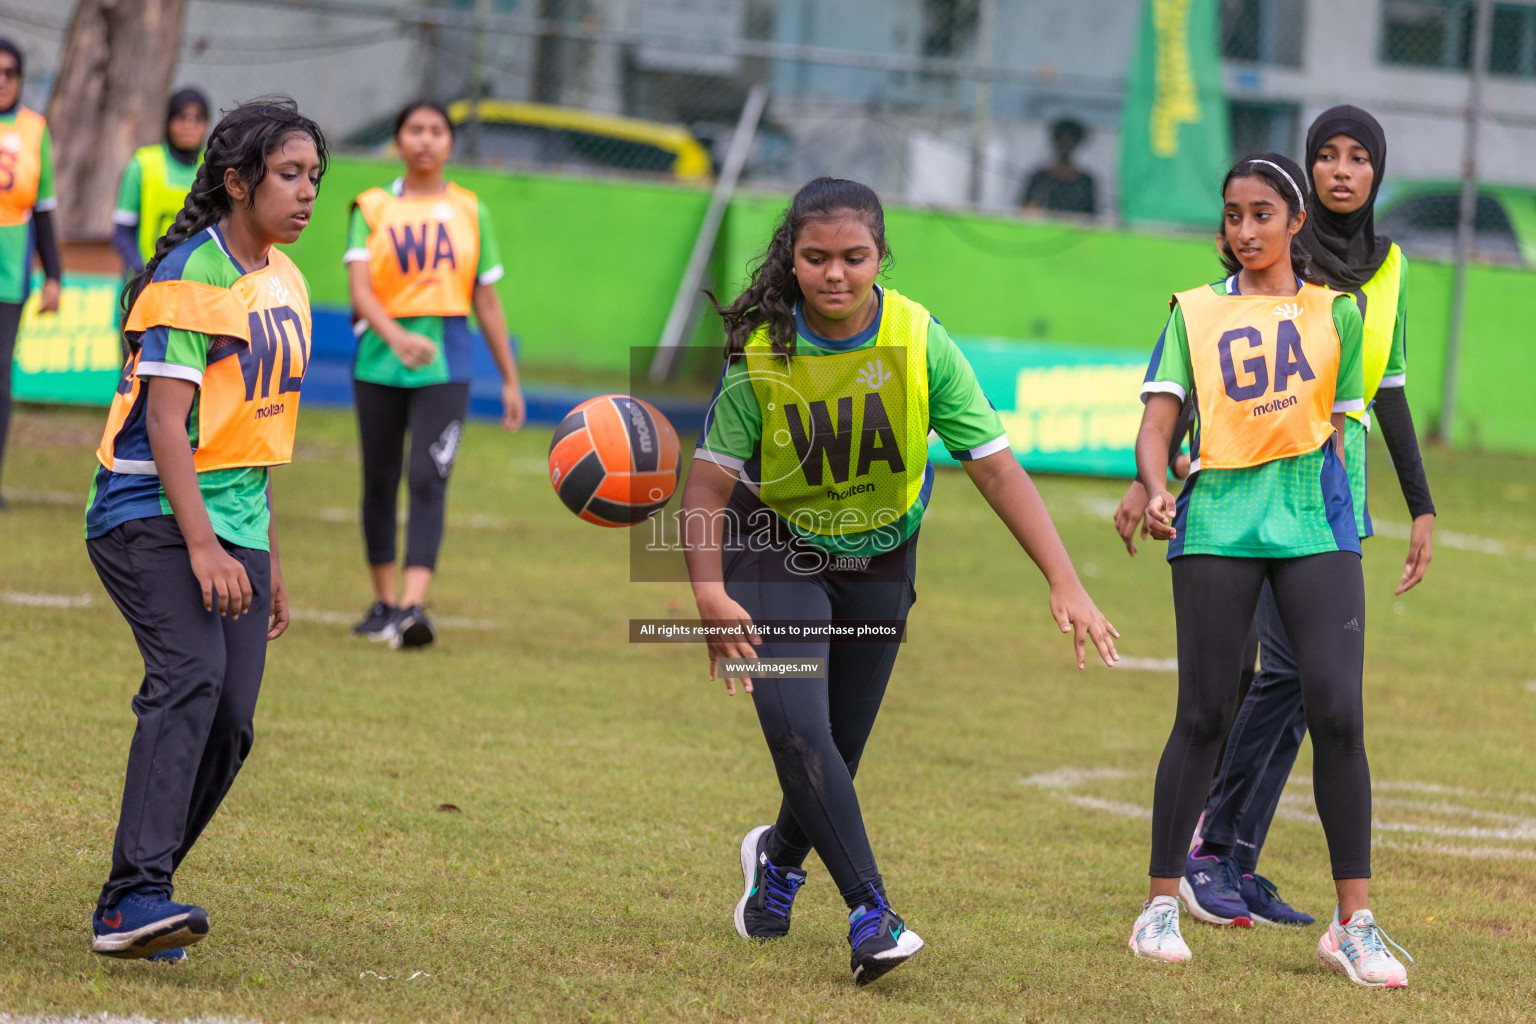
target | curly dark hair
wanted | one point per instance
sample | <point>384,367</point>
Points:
<point>771,296</point>
<point>241,141</point>
<point>1289,185</point>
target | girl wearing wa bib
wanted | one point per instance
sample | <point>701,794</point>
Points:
<point>802,509</point>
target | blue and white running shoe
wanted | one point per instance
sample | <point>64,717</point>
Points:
<point>1266,907</point>
<point>768,891</point>
<point>1211,889</point>
<point>145,922</point>
<point>880,940</point>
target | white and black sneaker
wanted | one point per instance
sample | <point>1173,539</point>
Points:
<point>767,890</point>
<point>880,940</point>
<point>411,628</point>
<point>378,624</point>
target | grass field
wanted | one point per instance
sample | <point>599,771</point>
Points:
<point>590,871</point>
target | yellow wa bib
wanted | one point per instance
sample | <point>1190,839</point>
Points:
<point>845,434</point>
<point>1266,369</point>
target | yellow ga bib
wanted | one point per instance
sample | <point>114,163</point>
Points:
<point>1266,369</point>
<point>845,435</point>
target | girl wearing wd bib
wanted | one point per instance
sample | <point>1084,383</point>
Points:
<point>26,219</point>
<point>802,509</point>
<point>179,523</point>
<point>1347,155</point>
<point>421,255</point>
<point>1274,365</point>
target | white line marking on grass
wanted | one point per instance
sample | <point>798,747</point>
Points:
<point>1148,664</point>
<point>44,601</point>
<point>474,521</point>
<point>1458,541</point>
<point>347,618</point>
<point>1531,686</point>
<point>1067,778</point>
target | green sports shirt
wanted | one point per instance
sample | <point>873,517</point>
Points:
<point>958,412</point>
<point>1285,508</point>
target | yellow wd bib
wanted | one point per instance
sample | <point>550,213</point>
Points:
<point>1266,368</point>
<point>21,166</point>
<point>248,403</point>
<point>423,251</point>
<point>845,434</point>
<point>159,200</point>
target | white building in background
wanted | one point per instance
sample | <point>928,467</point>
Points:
<point>910,134</point>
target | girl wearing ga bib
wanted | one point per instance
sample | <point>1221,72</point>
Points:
<point>802,511</point>
<point>26,219</point>
<point>1346,151</point>
<point>421,256</point>
<point>1273,364</point>
<point>179,523</point>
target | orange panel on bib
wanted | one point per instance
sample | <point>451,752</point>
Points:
<point>21,166</point>
<point>423,251</point>
<point>1266,369</point>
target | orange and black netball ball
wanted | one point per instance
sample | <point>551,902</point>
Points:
<point>614,460</point>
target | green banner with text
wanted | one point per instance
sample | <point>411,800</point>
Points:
<point>1174,139</point>
<point>73,356</point>
<point>1066,408</point>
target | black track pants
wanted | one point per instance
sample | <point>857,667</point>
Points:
<point>1321,601</point>
<point>1261,748</point>
<point>202,672</point>
<point>816,728</point>
<point>10,324</point>
<point>434,417</point>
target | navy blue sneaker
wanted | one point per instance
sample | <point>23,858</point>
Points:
<point>168,956</point>
<point>880,940</point>
<point>768,891</point>
<point>1211,889</point>
<point>1266,906</point>
<point>145,922</point>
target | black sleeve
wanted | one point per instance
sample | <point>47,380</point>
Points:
<point>1181,427</point>
<point>125,239</point>
<point>47,245</point>
<point>1396,421</point>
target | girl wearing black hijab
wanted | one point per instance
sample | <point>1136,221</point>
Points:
<point>1346,159</point>
<point>157,179</point>
<point>26,217</point>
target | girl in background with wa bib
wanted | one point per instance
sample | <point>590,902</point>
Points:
<point>421,256</point>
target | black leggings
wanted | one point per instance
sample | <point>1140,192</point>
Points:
<point>816,728</point>
<point>434,417</point>
<point>10,323</point>
<point>1321,600</point>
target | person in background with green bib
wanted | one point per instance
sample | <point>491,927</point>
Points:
<point>421,257</point>
<point>158,178</point>
<point>26,219</point>
<point>802,511</point>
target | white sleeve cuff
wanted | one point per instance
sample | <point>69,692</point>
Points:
<point>729,462</point>
<point>156,369</point>
<point>492,276</point>
<point>44,205</point>
<point>1397,380</point>
<point>355,256</point>
<point>127,218</point>
<point>981,451</point>
<point>1350,405</point>
<point>1162,387</point>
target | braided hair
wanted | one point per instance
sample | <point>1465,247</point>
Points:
<point>1286,177</point>
<point>241,141</point>
<point>771,296</point>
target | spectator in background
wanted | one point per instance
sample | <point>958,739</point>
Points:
<point>26,218</point>
<point>157,179</point>
<point>1062,186</point>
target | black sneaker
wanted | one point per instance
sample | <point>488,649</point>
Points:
<point>767,890</point>
<point>880,941</point>
<point>376,625</point>
<point>412,628</point>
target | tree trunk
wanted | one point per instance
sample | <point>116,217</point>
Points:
<point>109,99</point>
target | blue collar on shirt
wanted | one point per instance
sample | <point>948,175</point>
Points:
<point>1232,288</point>
<point>218,239</point>
<point>845,344</point>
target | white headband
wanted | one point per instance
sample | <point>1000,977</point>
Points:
<point>1299,196</point>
